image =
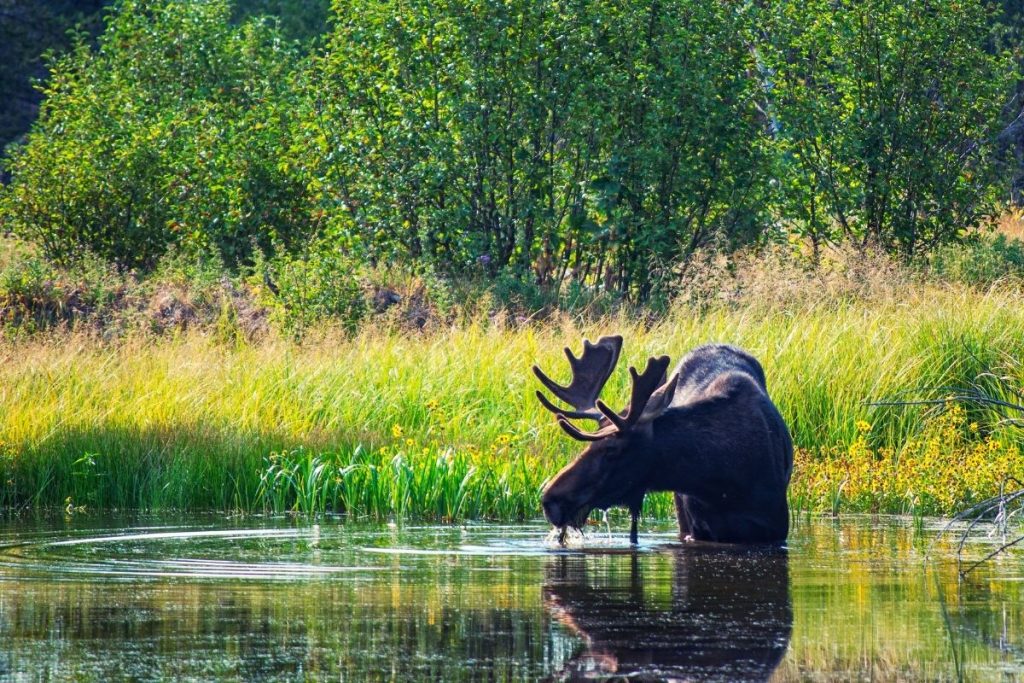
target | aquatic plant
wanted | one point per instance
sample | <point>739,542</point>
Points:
<point>439,483</point>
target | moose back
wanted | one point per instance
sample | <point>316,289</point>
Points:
<point>710,433</point>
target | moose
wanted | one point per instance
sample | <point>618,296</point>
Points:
<point>710,434</point>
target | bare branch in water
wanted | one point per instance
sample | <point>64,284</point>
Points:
<point>974,515</point>
<point>997,391</point>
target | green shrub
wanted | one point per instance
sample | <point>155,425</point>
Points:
<point>170,133</point>
<point>607,139</point>
<point>548,152</point>
<point>885,114</point>
<point>36,294</point>
<point>981,261</point>
<point>322,284</point>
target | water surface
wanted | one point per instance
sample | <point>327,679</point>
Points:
<point>210,597</point>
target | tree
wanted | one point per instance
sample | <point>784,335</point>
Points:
<point>888,112</point>
<point>169,132</point>
<point>608,138</point>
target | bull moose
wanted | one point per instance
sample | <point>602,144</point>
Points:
<point>710,434</point>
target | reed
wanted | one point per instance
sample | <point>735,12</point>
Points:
<point>445,424</point>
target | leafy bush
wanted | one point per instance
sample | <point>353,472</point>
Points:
<point>604,139</point>
<point>304,20</point>
<point>575,151</point>
<point>321,284</point>
<point>982,261</point>
<point>169,133</point>
<point>35,294</point>
<point>28,30</point>
<point>885,115</point>
<point>184,290</point>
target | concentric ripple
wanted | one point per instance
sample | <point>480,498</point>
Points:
<point>278,550</point>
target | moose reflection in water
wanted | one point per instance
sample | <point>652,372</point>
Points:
<point>710,433</point>
<point>727,615</point>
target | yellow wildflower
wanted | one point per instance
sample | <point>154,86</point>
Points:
<point>396,431</point>
<point>863,426</point>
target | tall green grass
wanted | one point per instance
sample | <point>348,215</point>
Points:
<point>445,424</point>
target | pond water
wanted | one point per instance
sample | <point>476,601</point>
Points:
<point>200,598</point>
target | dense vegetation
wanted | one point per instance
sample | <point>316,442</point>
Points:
<point>244,265</point>
<point>446,424</point>
<point>27,30</point>
<point>32,31</point>
<point>594,145</point>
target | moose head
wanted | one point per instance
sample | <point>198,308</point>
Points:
<point>610,471</point>
<point>709,433</point>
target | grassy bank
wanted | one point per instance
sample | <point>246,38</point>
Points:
<point>444,424</point>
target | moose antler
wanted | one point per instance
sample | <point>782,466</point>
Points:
<point>645,401</point>
<point>650,395</point>
<point>589,374</point>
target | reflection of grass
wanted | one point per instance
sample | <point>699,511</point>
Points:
<point>446,425</point>
<point>864,606</point>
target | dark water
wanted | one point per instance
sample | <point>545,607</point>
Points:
<point>200,598</point>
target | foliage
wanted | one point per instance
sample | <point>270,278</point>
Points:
<point>952,465</point>
<point>186,421</point>
<point>981,261</point>
<point>29,29</point>
<point>303,20</point>
<point>321,284</point>
<point>35,294</point>
<point>183,291</point>
<point>577,150</point>
<point>608,139</point>
<point>168,134</point>
<point>886,113</point>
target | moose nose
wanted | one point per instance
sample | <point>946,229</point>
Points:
<point>553,511</point>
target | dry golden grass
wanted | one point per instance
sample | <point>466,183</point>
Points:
<point>1011,224</point>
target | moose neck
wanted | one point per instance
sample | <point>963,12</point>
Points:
<point>684,455</point>
<point>672,459</point>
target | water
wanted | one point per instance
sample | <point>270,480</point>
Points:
<point>200,598</point>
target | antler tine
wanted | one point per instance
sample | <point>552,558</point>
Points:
<point>574,414</point>
<point>589,373</point>
<point>644,387</point>
<point>580,435</point>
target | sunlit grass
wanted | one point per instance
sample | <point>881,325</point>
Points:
<point>446,425</point>
<point>1011,224</point>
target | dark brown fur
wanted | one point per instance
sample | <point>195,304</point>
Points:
<point>721,446</point>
